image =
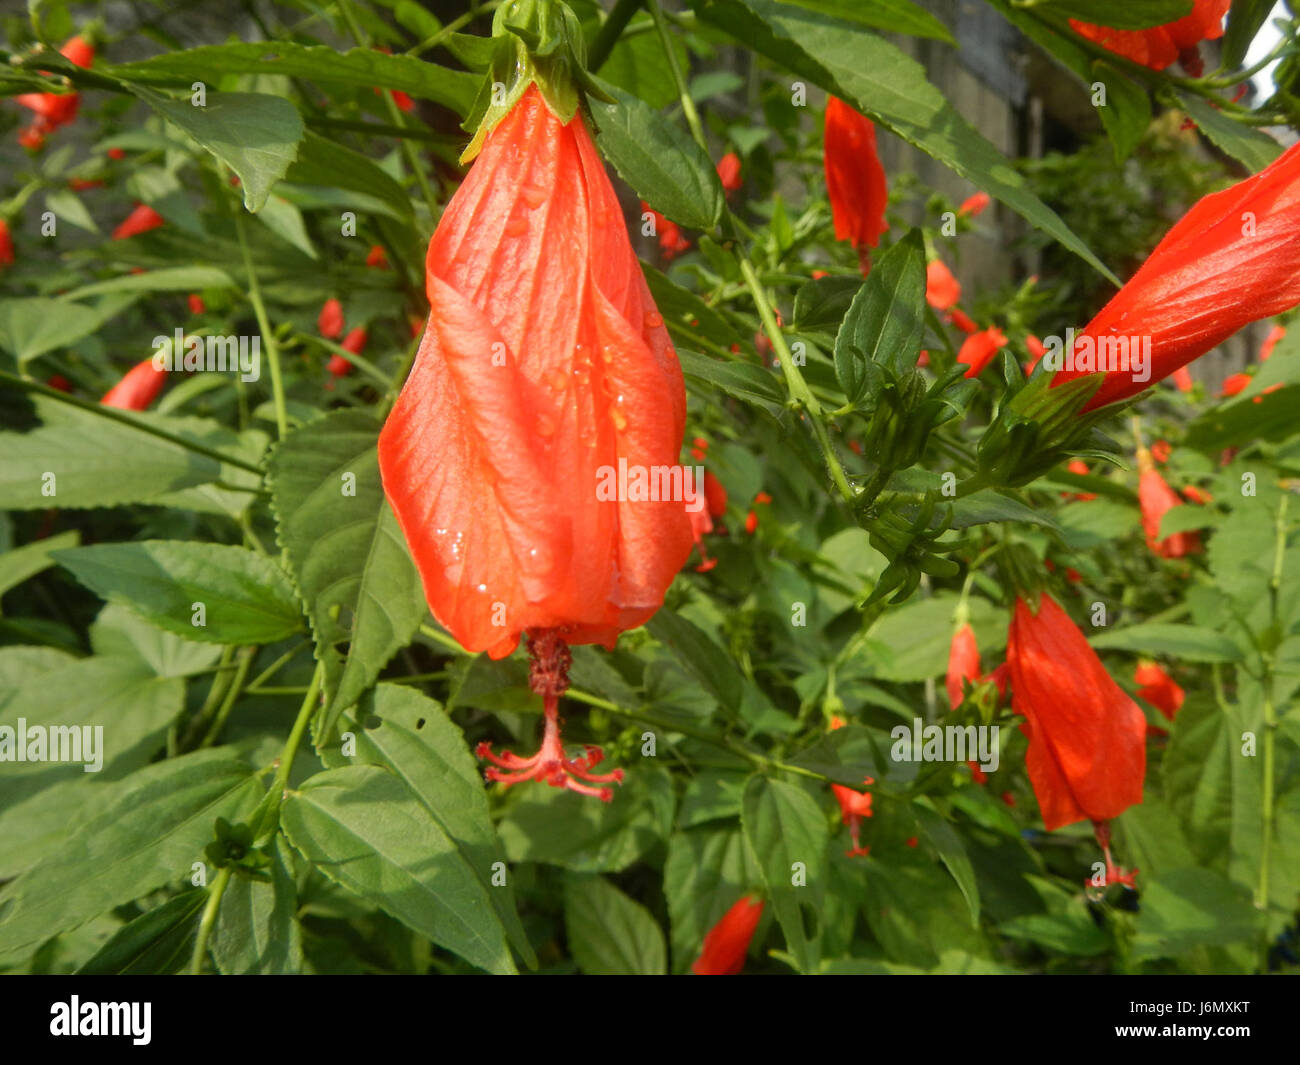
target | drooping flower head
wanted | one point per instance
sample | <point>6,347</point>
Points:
<point>727,942</point>
<point>729,173</point>
<point>6,244</point>
<point>1158,46</point>
<point>978,349</point>
<point>1232,259</point>
<point>142,219</point>
<point>855,179</point>
<point>1158,688</point>
<point>330,322</point>
<point>942,290</point>
<point>963,663</point>
<point>55,109</point>
<point>1087,752</point>
<point>531,458</point>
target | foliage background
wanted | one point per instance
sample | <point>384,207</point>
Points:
<point>383,861</point>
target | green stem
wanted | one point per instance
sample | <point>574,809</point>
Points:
<point>1270,714</point>
<point>232,694</point>
<point>268,815</point>
<point>209,919</point>
<point>683,95</point>
<point>610,31</point>
<point>126,418</point>
<point>264,326</point>
<point>455,24</point>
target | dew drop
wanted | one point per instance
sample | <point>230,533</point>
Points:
<point>653,320</point>
<point>618,418</point>
<point>516,227</point>
<point>533,195</point>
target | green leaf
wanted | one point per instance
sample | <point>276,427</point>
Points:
<point>708,663</point>
<point>346,552</point>
<point>121,697</point>
<point>411,735</point>
<point>665,168</point>
<point>318,63</point>
<point>257,927</point>
<point>911,643</point>
<point>246,597</point>
<point>1060,933</point>
<point>159,941</point>
<point>168,279</point>
<point>746,382</point>
<point>1190,908</point>
<point>322,162</point>
<point>67,207</point>
<point>1197,776</point>
<point>367,831</point>
<point>1126,114</point>
<point>890,88</point>
<point>608,933</point>
<point>822,304</point>
<point>78,459</point>
<point>952,852</point>
<point>148,834</point>
<point>1130,15</point>
<point>254,134</point>
<point>788,835</point>
<point>31,327</point>
<point>1188,642</point>
<point>23,563</point>
<point>119,632</point>
<point>886,319</point>
<point>681,306</point>
<point>285,220</point>
<point>896,16</point>
<point>988,505</point>
<point>1253,147</point>
<point>706,873</point>
<point>1244,21</point>
<point>573,831</point>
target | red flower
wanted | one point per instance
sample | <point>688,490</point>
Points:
<point>963,663</point>
<point>978,349</point>
<point>855,180</point>
<point>377,257</point>
<point>60,382</point>
<point>338,366</point>
<point>942,290</point>
<point>1036,351</point>
<point>715,495</point>
<point>854,806</point>
<point>6,244</point>
<point>31,138</point>
<point>141,220</point>
<point>1087,752</point>
<point>137,389</point>
<point>963,321</point>
<point>544,363</point>
<point>1158,46</point>
<point>1197,495</point>
<point>1155,499</point>
<point>668,233</point>
<point>702,518</point>
<point>329,323</point>
<point>1158,688</point>
<point>1081,468</point>
<point>1235,383</point>
<point>116,153</point>
<point>355,341</point>
<point>55,109</point>
<point>1182,378</point>
<point>975,205</point>
<point>727,943</point>
<point>1160,451</point>
<point>196,303</point>
<point>729,172</point>
<point>1229,261</point>
<point>1270,342</point>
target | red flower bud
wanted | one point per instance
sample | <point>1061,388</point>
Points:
<point>54,109</point>
<point>141,220</point>
<point>355,341</point>
<point>729,172</point>
<point>377,257</point>
<point>6,244</point>
<point>1270,342</point>
<point>137,389</point>
<point>1235,383</point>
<point>975,205</point>
<point>1087,750</point>
<point>1155,499</point>
<point>963,663</point>
<point>329,323</point>
<point>855,180</point>
<point>196,304</point>
<point>942,290</point>
<point>1158,688</point>
<point>979,348</point>
<point>727,943</point>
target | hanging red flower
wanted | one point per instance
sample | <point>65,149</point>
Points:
<point>138,388</point>
<point>855,179</point>
<point>727,942</point>
<point>1087,753</point>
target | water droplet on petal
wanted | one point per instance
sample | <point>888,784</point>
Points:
<point>533,195</point>
<point>516,227</point>
<point>653,320</point>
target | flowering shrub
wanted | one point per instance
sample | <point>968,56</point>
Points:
<point>511,493</point>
